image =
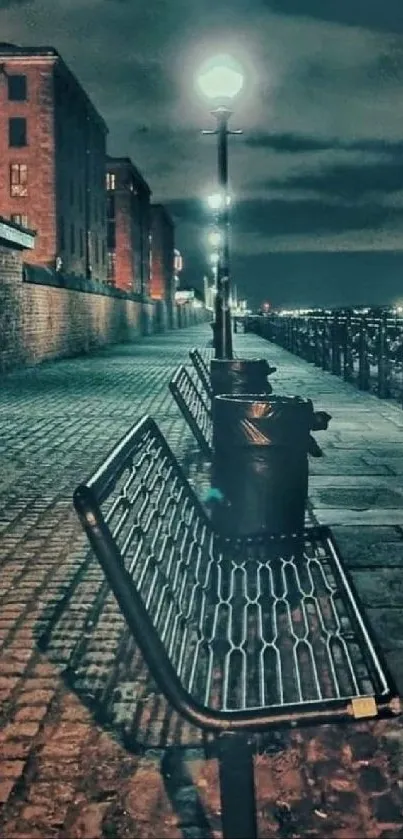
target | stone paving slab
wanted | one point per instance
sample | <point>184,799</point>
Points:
<point>82,727</point>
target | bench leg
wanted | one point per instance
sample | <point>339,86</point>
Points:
<point>237,787</point>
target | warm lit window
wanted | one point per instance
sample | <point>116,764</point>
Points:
<point>110,180</point>
<point>17,88</point>
<point>18,179</point>
<point>17,218</point>
<point>17,132</point>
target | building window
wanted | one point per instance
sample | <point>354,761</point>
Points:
<point>17,88</point>
<point>62,238</point>
<point>111,266</point>
<point>110,181</point>
<point>17,132</point>
<point>72,239</point>
<point>111,235</point>
<point>81,242</point>
<point>18,179</point>
<point>17,218</point>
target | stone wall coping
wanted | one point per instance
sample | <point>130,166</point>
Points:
<point>41,275</point>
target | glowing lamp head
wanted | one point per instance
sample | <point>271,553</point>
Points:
<point>216,201</point>
<point>220,79</point>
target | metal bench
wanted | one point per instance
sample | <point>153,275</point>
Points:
<point>240,635</point>
<point>201,370</point>
<point>195,407</point>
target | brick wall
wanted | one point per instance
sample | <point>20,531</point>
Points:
<point>11,311</point>
<point>50,317</point>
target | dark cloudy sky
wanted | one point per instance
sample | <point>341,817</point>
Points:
<point>318,174</point>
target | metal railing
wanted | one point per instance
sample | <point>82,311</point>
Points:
<point>365,349</point>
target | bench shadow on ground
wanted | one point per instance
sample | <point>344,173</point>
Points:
<point>87,640</point>
<point>82,633</point>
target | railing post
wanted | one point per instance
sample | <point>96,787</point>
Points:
<point>316,353</point>
<point>289,335</point>
<point>336,361</point>
<point>383,360</point>
<point>326,344</point>
<point>347,350</point>
<point>237,787</point>
<point>363,363</point>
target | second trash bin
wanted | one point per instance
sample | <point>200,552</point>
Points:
<point>260,463</point>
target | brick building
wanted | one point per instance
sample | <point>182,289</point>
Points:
<point>162,284</point>
<point>52,161</point>
<point>128,231</point>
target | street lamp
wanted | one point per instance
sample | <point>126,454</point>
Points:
<point>220,81</point>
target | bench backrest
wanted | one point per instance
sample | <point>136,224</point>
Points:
<point>202,370</point>
<point>195,407</point>
<point>155,544</point>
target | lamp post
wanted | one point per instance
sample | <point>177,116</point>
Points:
<point>220,81</point>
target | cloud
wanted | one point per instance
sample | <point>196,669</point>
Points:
<point>383,17</point>
<point>7,4</point>
<point>347,182</point>
<point>293,143</point>
<point>287,143</point>
<point>280,217</point>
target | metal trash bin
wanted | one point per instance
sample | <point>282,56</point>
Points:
<point>260,463</point>
<point>240,375</point>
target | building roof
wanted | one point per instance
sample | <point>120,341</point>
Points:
<point>15,236</point>
<point>127,163</point>
<point>10,51</point>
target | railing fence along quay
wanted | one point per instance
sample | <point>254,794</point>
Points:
<point>362,348</point>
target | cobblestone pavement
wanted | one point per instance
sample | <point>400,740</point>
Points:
<point>82,728</point>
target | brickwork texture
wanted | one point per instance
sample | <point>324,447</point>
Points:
<point>43,322</point>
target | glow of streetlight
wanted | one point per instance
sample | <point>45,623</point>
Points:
<point>214,258</point>
<point>220,78</point>
<point>216,201</point>
<point>215,238</point>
